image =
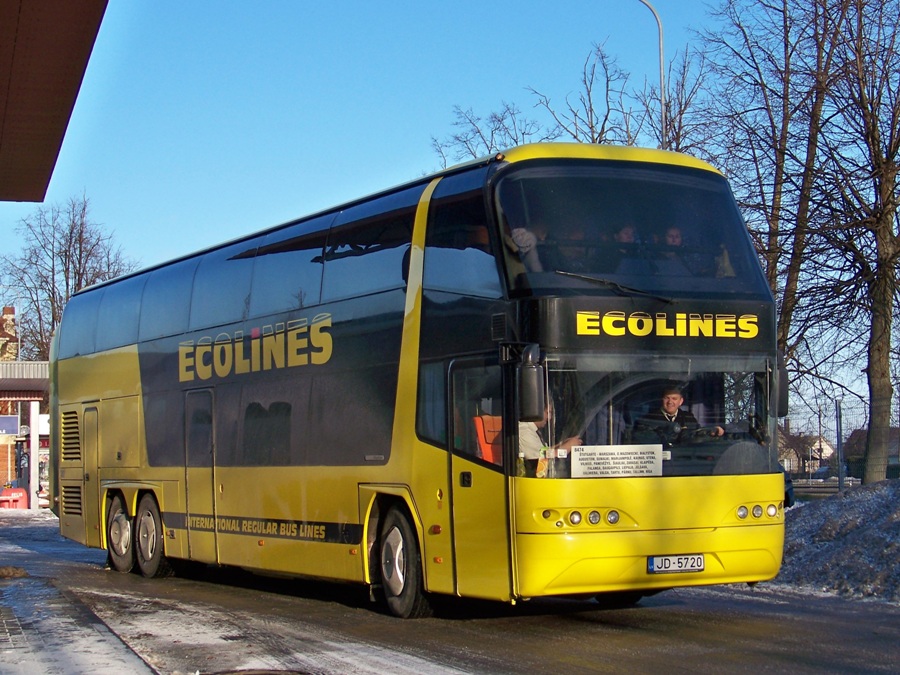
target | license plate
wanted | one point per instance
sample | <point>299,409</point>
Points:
<point>667,564</point>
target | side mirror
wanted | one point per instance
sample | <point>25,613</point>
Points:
<point>782,384</point>
<point>530,376</point>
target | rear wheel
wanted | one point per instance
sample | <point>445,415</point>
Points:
<point>149,536</point>
<point>401,568</point>
<point>119,536</point>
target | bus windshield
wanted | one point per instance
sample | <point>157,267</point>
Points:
<point>641,416</point>
<point>620,227</point>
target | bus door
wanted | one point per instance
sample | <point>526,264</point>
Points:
<point>91,478</point>
<point>199,453</point>
<point>478,481</point>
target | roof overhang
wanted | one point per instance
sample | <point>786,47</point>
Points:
<point>24,380</point>
<point>44,51</point>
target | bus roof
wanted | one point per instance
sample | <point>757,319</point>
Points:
<point>607,152</point>
<point>520,153</point>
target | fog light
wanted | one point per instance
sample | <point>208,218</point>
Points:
<point>742,512</point>
<point>771,510</point>
<point>547,514</point>
<point>575,517</point>
<point>612,517</point>
<point>757,511</point>
<point>594,517</point>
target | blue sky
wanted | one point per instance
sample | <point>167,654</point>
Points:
<point>201,121</point>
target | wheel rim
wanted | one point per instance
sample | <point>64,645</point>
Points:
<point>393,562</point>
<point>147,535</point>
<point>120,533</point>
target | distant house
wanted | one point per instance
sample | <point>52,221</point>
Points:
<point>855,452</point>
<point>803,453</point>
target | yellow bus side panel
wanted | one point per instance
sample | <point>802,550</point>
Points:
<point>280,520</point>
<point>112,374</point>
<point>104,431</point>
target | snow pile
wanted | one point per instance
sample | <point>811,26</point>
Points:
<point>847,544</point>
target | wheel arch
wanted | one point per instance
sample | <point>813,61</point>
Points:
<point>131,494</point>
<point>375,503</point>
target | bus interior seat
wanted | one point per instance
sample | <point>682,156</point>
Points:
<point>490,441</point>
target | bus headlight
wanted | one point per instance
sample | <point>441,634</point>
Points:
<point>757,511</point>
<point>742,512</point>
<point>575,517</point>
<point>612,517</point>
<point>771,510</point>
<point>594,517</point>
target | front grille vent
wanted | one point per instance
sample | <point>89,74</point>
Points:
<point>498,327</point>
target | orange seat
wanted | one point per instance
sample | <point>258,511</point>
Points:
<point>490,441</point>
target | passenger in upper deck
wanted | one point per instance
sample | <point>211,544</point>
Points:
<point>669,424</point>
<point>673,238</point>
<point>673,261</point>
<point>572,251</point>
<point>527,241</point>
<point>621,251</point>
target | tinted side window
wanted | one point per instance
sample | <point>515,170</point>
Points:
<point>431,407</point>
<point>120,313</point>
<point>198,414</point>
<point>79,324</point>
<point>288,270</point>
<point>367,246</point>
<point>458,253</point>
<point>222,285</point>
<point>166,306</point>
<point>478,411</point>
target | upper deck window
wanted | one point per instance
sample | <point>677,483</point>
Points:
<point>458,253</point>
<point>623,226</point>
<point>367,246</point>
<point>288,272</point>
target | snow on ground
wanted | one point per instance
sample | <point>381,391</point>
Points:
<point>848,544</point>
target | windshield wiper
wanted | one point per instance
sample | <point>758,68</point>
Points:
<point>614,285</point>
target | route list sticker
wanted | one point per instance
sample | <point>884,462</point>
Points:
<point>607,461</point>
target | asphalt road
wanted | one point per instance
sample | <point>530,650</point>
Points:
<point>71,615</point>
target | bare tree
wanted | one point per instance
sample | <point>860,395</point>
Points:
<point>688,128</point>
<point>600,112</point>
<point>809,112</point>
<point>63,252</point>
<point>478,137</point>
<point>862,193</point>
<point>774,64</point>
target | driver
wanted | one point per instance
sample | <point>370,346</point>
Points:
<point>669,424</point>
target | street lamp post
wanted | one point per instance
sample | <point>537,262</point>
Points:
<point>662,79</point>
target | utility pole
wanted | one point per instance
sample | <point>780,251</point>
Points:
<point>840,445</point>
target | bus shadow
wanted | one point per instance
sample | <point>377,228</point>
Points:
<point>448,608</point>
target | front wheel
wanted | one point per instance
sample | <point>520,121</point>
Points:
<point>401,568</point>
<point>149,535</point>
<point>119,536</point>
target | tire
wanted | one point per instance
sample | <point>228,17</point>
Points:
<point>401,568</point>
<point>119,536</point>
<point>148,532</point>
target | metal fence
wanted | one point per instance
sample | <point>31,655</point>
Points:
<point>816,439</point>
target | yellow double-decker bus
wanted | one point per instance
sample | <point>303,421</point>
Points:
<point>549,372</point>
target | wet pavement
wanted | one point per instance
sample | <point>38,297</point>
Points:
<point>44,629</point>
<point>69,614</point>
